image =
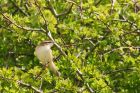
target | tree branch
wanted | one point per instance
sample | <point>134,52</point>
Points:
<point>112,5</point>
<point>22,83</point>
<point>60,49</point>
<point>21,27</point>
<point>16,6</point>
<point>66,12</point>
<point>112,50</point>
<point>46,22</point>
<point>36,29</point>
<point>53,11</point>
<point>87,85</point>
<point>29,86</point>
<point>119,70</point>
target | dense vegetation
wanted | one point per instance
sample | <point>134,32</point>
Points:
<point>97,45</point>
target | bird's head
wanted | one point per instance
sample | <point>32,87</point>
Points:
<point>49,43</point>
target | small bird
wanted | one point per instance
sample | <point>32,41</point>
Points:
<point>44,53</point>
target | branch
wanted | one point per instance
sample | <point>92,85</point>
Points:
<point>14,53</point>
<point>120,70</point>
<point>112,5</point>
<point>136,5</point>
<point>16,6</point>
<point>46,22</point>
<point>52,8</point>
<point>21,27</point>
<point>60,49</point>
<point>97,2</point>
<point>53,11</point>
<point>103,38</point>
<point>29,86</point>
<point>131,47</point>
<point>41,84</point>
<point>22,83</point>
<point>87,85</point>
<point>32,29</point>
<point>43,68</point>
<point>94,47</point>
<point>66,12</point>
<point>132,23</point>
<point>47,30</point>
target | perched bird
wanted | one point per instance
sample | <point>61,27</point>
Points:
<point>44,53</point>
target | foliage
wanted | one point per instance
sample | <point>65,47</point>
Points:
<point>99,45</point>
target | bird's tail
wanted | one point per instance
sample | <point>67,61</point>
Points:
<point>53,69</point>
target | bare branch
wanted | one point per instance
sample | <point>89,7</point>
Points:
<point>112,5</point>
<point>60,49</point>
<point>53,11</point>
<point>41,84</point>
<point>29,86</point>
<point>21,27</point>
<point>52,8</point>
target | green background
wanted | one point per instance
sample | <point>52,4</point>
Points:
<point>98,45</point>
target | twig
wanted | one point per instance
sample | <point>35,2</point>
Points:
<point>21,27</point>
<point>97,2</point>
<point>60,49</point>
<point>87,85</point>
<point>131,47</point>
<point>66,12</point>
<point>43,68</point>
<point>120,70</point>
<point>41,84</point>
<point>96,44</point>
<point>22,83</point>
<point>46,22</point>
<point>16,6</point>
<point>132,23</point>
<point>53,11</point>
<point>29,86</point>
<point>112,5</point>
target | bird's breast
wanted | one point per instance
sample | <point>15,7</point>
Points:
<point>43,53</point>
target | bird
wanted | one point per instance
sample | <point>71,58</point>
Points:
<point>43,52</point>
